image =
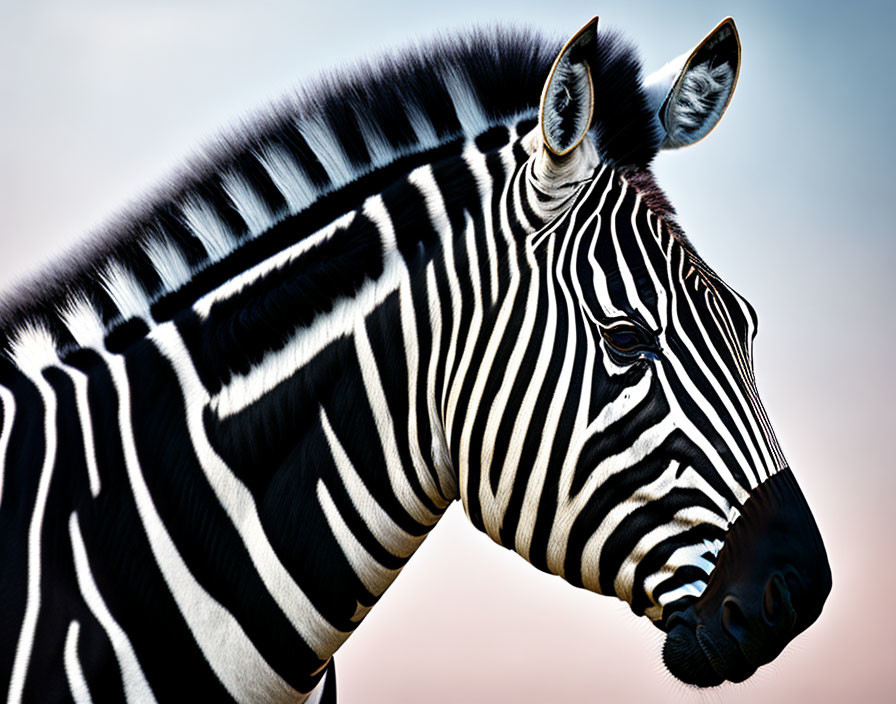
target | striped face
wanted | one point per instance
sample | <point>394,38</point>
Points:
<point>633,432</point>
<point>625,448</point>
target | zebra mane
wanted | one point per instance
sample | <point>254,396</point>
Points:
<point>212,218</point>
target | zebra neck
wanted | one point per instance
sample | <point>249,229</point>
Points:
<point>407,257</point>
<point>337,426</point>
<point>310,463</point>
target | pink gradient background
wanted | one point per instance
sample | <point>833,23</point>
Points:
<point>790,200</point>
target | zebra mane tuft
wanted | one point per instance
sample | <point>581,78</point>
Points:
<point>342,128</point>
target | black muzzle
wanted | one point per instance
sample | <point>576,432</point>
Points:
<point>769,585</point>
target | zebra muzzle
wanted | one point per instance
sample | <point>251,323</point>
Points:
<point>770,584</point>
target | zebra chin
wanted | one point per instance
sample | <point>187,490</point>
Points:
<point>770,584</point>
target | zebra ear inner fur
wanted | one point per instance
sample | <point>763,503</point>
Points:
<point>691,93</point>
<point>567,101</point>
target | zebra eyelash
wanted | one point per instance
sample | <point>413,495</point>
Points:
<point>651,347</point>
<point>628,340</point>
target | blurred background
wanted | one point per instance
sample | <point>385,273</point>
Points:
<point>790,200</point>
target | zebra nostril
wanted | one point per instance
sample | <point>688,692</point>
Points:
<point>733,619</point>
<point>772,601</point>
<point>777,605</point>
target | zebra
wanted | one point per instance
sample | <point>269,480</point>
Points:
<point>448,275</point>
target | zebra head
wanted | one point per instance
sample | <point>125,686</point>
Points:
<point>623,443</point>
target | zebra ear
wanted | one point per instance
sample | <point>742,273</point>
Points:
<point>690,94</point>
<point>567,101</point>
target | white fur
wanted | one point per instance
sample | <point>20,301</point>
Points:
<point>751,407</point>
<point>690,387</point>
<point>691,478</point>
<point>476,162</point>
<point>169,263</point>
<point>694,589</point>
<point>688,119</point>
<point>440,406</point>
<point>125,292</point>
<point>467,362</point>
<point>682,521</point>
<point>422,126</point>
<point>73,672</point>
<point>9,414</point>
<point>631,288</point>
<point>79,380</point>
<point>288,177</point>
<point>234,285</point>
<point>381,152</point>
<point>571,83</point>
<point>203,222</point>
<point>626,402</point>
<point>33,348</point>
<point>327,149</point>
<point>563,179</point>
<point>424,181</point>
<point>495,503</point>
<point>438,449</point>
<point>691,555</point>
<point>83,322</point>
<point>247,203</point>
<point>694,433</point>
<point>472,117</point>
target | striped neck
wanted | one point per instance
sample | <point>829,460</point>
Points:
<point>303,418</point>
<point>344,425</point>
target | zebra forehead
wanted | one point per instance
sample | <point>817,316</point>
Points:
<point>317,140</point>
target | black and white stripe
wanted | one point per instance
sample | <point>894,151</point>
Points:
<point>225,434</point>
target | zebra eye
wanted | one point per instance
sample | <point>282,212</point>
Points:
<point>627,338</point>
